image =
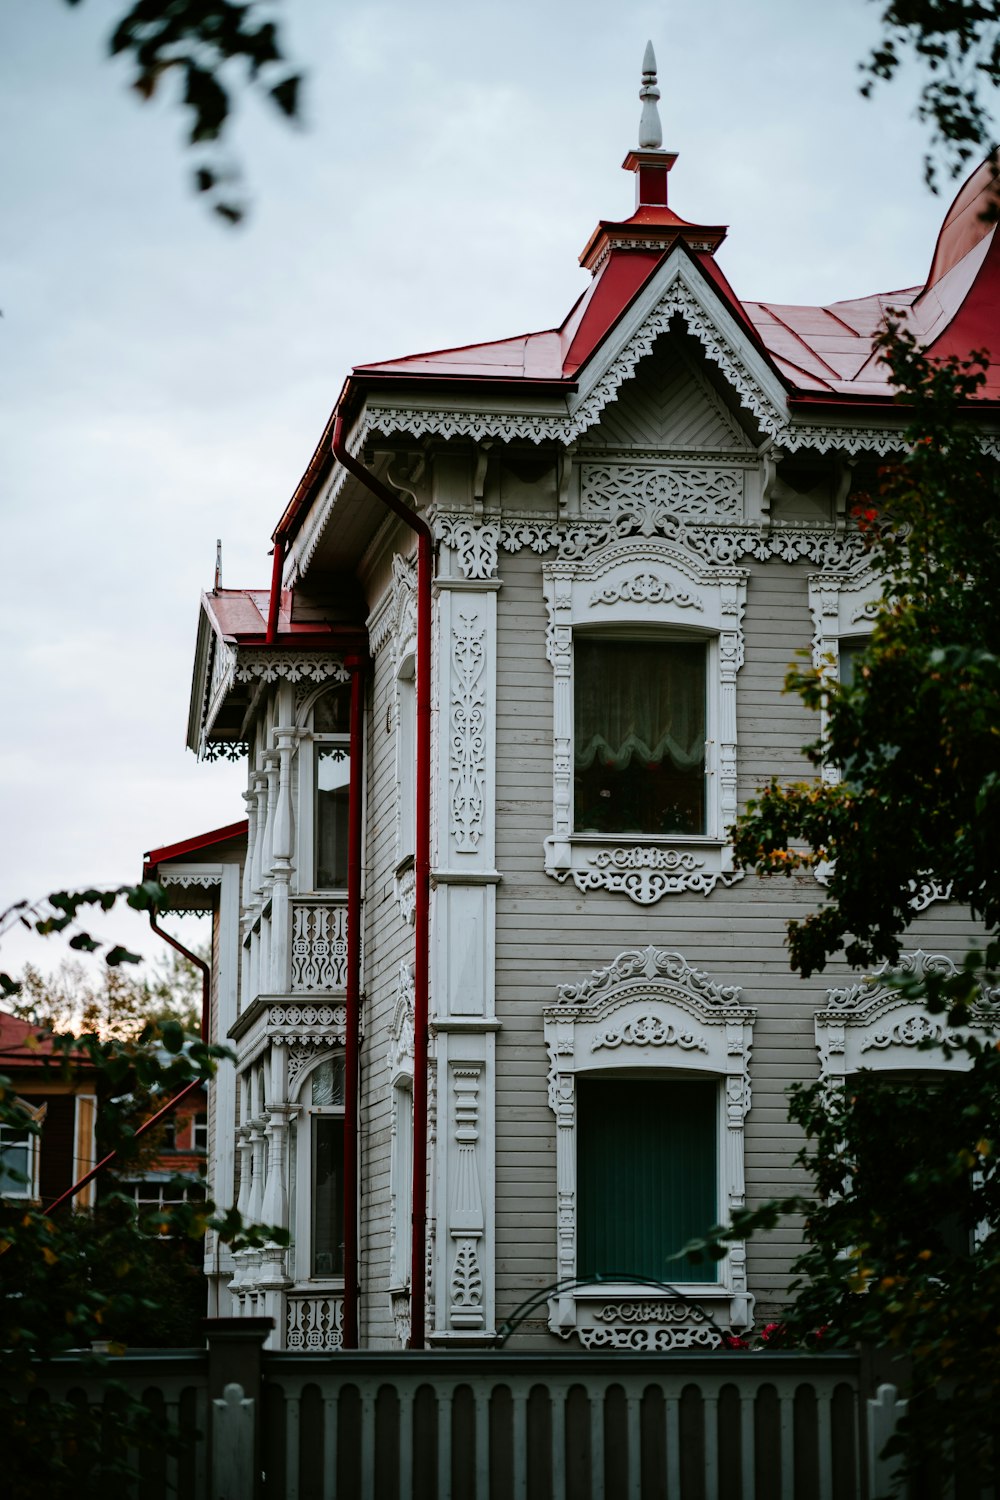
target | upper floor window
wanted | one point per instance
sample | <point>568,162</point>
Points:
<point>199,1132</point>
<point>332,773</point>
<point>639,736</point>
<point>849,648</point>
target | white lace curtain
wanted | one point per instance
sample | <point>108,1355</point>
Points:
<point>639,700</point>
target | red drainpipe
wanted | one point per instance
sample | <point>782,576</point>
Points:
<point>421,954</point>
<point>206,987</point>
<point>352,1007</point>
<point>280,548</point>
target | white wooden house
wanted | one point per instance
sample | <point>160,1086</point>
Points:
<point>631,523</point>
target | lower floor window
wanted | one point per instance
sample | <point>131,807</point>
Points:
<point>16,1161</point>
<point>647,1176</point>
<point>328,1196</point>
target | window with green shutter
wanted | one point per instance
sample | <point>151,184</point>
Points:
<point>647,1175</point>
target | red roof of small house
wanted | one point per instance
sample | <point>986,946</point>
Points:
<point>23,1042</point>
<point>239,617</point>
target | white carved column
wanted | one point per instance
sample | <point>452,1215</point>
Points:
<point>463,972</point>
<point>282,848</point>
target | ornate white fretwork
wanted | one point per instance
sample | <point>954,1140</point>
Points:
<point>646,874</point>
<point>602,589</point>
<point>399,1057</point>
<point>652,1010</point>
<point>405,888</point>
<point>874,1024</point>
<point>645,1327</point>
<point>477,546</point>
<point>394,618</point>
<point>314,1324</point>
<point>319,947</point>
<point>467,761</point>
<point>400,1304</point>
<point>466,1221</point>
<point>294,666</point>
<point>649,1031</point>
<point>699,493</point>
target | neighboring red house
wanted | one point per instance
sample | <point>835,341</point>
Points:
<point>66,1110</point>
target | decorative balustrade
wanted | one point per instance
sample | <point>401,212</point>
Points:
<point>319,946</point>
<point>314,1324</point>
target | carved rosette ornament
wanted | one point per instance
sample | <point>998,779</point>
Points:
<point>648,1009</point>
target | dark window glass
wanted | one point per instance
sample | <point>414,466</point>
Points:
<point>849,648</point>
<point>328,1197</point>
<point>333,770</point>
<point>646,1176</point>
<point>639,736</point>
<point>332,712</point>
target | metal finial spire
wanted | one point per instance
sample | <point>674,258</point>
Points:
<point>650,130</point>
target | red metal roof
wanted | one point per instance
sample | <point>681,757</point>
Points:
<point>186,847</point>
<point>816,350</point>
<point>239,616</point>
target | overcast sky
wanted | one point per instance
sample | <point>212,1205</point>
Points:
<point>163,380</point>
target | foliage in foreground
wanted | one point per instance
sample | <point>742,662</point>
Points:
<point>68,1281</point>
<point>903,1218</point>
<point>916,737</point>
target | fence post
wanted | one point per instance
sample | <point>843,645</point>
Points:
<point>883,1374</point>
<point>234,1403</point>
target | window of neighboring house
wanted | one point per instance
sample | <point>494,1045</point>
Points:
<point>639,711</point>
<point>170,1134</point>
<point>155,1193</point>
<point>326,1117</point>
<point>647,1175</point>
<point>406,772</point>
<point>332,772</point>
<point>199,1133</point>
<point>849,648</point>
<point>18,1163</point>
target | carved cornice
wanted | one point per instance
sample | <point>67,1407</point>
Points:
<point>649,963</point>
<point>477,546</point>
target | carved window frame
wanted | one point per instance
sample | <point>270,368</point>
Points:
<point>305,799</point>
<point>872,1025</point>
<point>652,587</point>
<point>842,605</point>
<point>302,1160</point>
<point>649,1013</point>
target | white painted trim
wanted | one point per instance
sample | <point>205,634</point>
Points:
<point>649,585</point>
<point>649,1012</point>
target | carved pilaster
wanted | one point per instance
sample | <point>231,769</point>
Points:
<point>466,1221</point>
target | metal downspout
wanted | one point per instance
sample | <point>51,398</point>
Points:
<point>422,863</point>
